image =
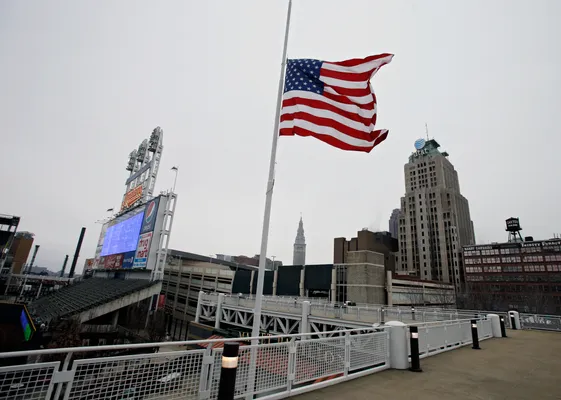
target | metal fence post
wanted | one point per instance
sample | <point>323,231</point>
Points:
<point>291,373</point>
<point>227,386</point>
<point>414,344</point>
<point>347,353</point>
<point>474,335</point>
<point>503,328</point>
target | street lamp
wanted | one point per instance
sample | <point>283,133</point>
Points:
<point>176,170</point>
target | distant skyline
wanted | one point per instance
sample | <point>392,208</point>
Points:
<point>83,83</point>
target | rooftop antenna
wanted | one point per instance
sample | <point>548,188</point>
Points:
<point>427,130</point>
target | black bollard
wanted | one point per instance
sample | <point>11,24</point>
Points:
<point>383,315</point>
<point>227,385</point>
<point>474,335</point>
<point>503,327</point>
<point>413,313</point>
<point>414,343</point>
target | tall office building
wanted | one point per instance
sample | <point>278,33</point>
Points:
<point>299,255</point>
<point>394,223</point>
<point>435,222</point>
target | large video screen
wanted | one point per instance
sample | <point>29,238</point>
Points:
<point>122,237</point>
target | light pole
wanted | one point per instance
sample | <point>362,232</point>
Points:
<point>176,170</point>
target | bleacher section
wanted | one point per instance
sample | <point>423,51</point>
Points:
<point>83,296</point>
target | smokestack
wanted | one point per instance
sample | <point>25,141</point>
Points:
<point>33,258</point>
<point>64,266</point>
<point>77,253</point>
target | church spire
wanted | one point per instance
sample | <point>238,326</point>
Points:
<point>299,254</point>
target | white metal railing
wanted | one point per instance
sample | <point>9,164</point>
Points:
<point>371,313</point>
<point>290,365</point>
<point>541,322</point>
<point>376,313</point>
<point>441,336</point>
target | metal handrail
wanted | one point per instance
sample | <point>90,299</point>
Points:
<point>84,349</point>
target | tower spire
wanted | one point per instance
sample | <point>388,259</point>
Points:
<point>299,253</point>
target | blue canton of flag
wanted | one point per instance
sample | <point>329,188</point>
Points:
<point>303,74</point>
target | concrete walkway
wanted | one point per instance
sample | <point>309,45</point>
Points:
<point>524,366</point>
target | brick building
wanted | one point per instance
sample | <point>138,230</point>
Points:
<point>380,242</point>
<point>516,275</point>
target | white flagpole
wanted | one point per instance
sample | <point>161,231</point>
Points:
<point>269,195</point>
<point>267,217</point>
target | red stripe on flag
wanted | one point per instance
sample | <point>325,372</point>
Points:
<point>345,100</point>
<point>375,117</point>
<point>351,92</point>
<point>321,105</point>
<point>331,140</point>
<point>321,121</point>
<point>357,61</point>
<point>346,76</point>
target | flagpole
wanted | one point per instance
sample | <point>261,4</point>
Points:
<point>267,217</point>
<point>269,194</point>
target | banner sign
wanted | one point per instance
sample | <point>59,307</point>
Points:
<point>150,214</point>
<point>100,263</point>
<point>132,197</point>
<point>142,251</point>
<point>114,261</point>
<point>161,301</point>
<point>89,264</point>
<point>128,259</point>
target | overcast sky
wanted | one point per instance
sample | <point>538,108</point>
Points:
<point>82,83</point>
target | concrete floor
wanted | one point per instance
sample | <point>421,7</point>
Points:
<point>524,366</point>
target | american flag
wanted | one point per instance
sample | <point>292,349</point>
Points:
<point>333,102</point>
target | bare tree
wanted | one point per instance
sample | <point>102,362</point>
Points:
<point>478,296</point>
<point>156,328</point>
<point>135,321</point>
<point>416,296</point>
<point>66,333</point>
<point>535,298</point>
<point>444,296</point>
